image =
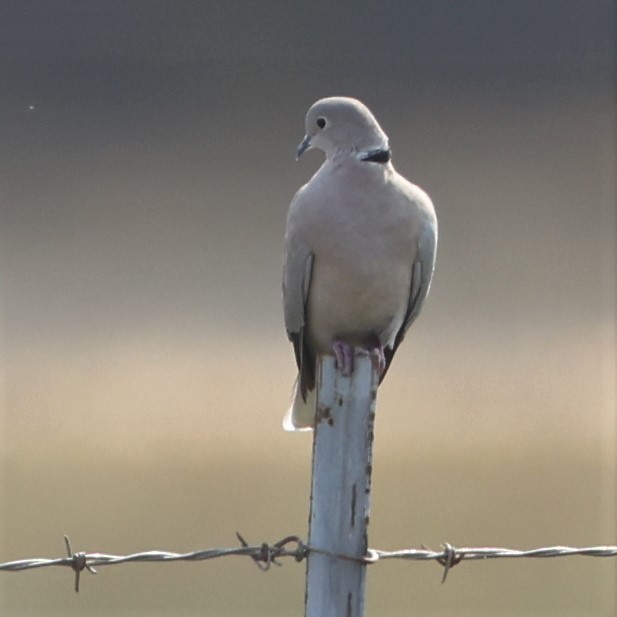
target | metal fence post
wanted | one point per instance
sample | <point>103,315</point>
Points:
<point>341,488</point>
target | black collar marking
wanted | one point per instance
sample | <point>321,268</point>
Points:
<point>378,156</point>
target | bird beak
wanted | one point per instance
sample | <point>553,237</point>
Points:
<point>305,145</point>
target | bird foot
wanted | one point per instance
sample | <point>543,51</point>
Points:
<point>378,359</point>
<point>344,355</point>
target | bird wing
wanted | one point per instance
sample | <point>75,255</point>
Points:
<point>297,270</point>
<point>421,276</point>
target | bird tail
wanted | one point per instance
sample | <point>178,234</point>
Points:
<point>301,414</point>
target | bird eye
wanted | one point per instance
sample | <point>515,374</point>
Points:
<point>321,122</point>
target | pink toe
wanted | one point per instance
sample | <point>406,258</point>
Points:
<point>344,355</point>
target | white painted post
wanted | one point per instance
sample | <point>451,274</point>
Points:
<point>341,488</point>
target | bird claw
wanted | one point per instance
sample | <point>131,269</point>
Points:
<point>344,355</point>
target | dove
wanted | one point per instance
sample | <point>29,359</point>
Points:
<point>359,252</point>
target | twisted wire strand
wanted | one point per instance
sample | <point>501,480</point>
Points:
<point>265,555</point>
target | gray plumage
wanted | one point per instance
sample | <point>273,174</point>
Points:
<point>359,248</point>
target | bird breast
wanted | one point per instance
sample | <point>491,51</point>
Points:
<point>362,269</point>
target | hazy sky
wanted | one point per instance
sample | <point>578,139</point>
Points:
<point>148,147</point>
<point>478,32</point>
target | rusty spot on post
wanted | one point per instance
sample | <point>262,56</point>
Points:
<point>324,413</point>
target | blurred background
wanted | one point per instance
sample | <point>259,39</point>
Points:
<point>147,161</point>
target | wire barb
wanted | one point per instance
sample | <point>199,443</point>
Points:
<point>78,562</point>
<point>449,560</point>
<point>268,554</point>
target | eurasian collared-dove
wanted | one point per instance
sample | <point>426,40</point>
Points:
<point>359,250</point>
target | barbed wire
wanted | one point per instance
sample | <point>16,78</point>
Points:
<point>266,555</point>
